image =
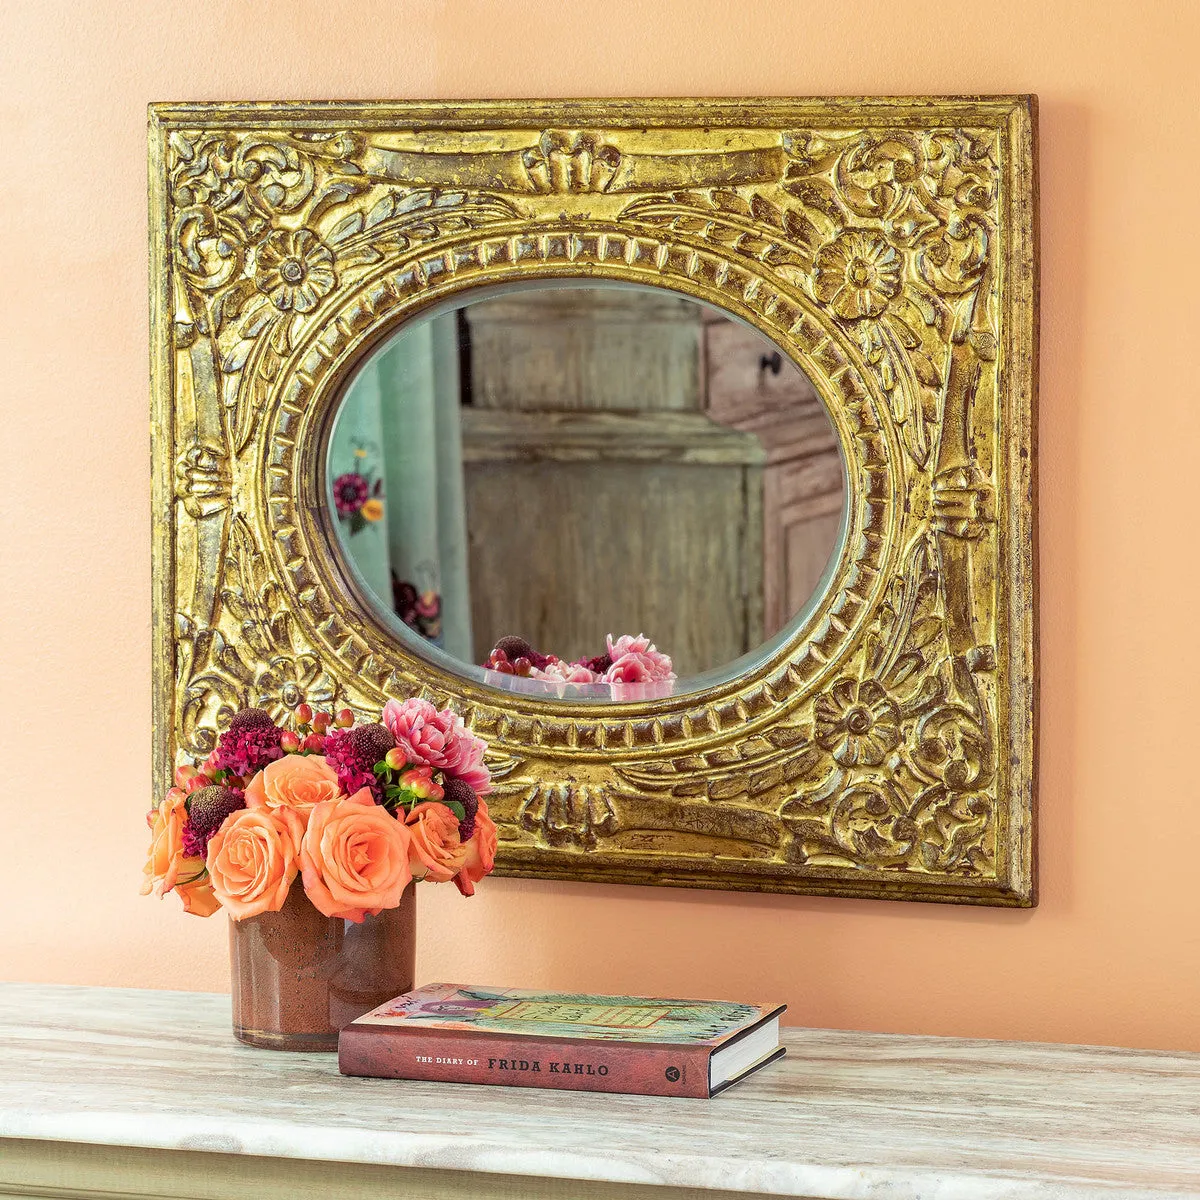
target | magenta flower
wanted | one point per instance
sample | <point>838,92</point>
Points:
<point>636,660</point>
<point>597,665</point>
<point>353,772</point>
<point>244,749</point>
<point>350,492</point>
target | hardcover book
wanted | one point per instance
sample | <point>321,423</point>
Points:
<point>450,1034</point>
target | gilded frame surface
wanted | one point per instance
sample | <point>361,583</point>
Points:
<point>887,245</point>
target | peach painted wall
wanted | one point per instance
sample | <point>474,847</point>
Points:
<point>1113,953</point>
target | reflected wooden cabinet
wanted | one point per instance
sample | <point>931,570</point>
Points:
<point>749,388</point>
<point>581,399</point>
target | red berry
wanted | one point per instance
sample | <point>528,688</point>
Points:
<point>344,719</point>
<point>314,742</point>
<point>289,741</point>
<point>523,666</point>
<point>304,714</point>
<point>321,722</point>
<point>395,758</point>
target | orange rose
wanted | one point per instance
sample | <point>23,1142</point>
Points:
<point>437,852</point>
<point>354,857</point>
<point>165,863</point>
<point>198,896</point>
<point>481,851</point>
<point>297,781</point>
<point>252,859</point>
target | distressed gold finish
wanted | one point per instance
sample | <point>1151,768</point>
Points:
<point>887,245</point>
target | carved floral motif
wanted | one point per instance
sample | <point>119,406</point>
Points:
<point>202,480</point>
<point>857,275</point>
<point>294,269</point>
<point>857,722</point>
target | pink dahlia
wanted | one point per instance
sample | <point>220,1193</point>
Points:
<point>350,492</point>
<point>636,660</point>
<point>466,763</point>
<point>430,738</point>
<point>421,731</point>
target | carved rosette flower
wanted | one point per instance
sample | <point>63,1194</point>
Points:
<point>294,269</point>
<point>857,722</point>
<point>857,275</point>
<point>286,683</point>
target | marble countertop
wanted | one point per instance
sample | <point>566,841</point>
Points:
<point>846,1115</point>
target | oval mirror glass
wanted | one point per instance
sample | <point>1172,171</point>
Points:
<point>602,493</point>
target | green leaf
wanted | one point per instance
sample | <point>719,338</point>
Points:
<point>456,808</point>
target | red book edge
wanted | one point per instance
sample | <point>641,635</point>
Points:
<point>578,1064</point>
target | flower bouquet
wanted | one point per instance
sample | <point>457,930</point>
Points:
<point>357,811</point>
<point>631,668</point>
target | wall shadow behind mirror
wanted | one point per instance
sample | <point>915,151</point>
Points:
<point>514,479</point>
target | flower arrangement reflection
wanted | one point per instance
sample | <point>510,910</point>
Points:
<point>631,665</point>
<point>358,495</point>
<point>419,610</point>
<point>357,811</point>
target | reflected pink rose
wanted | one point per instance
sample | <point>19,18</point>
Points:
<point>557,671</point>
<point>636,660</point>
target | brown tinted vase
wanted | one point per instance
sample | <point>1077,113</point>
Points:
<point>299,976</point>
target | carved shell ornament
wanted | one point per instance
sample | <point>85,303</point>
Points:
<point>886,246</point>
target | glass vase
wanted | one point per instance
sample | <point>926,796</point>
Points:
<point>299,976</point>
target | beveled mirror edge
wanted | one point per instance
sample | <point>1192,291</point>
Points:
<point>1014,879</point>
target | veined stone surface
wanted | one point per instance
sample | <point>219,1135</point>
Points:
<point>851,1116</point>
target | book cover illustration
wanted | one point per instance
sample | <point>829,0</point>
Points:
<point>572,1015</point>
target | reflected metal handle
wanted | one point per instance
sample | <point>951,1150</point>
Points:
<point>770,362</point>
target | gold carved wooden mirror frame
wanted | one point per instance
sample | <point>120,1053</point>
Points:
<point>886,245</point>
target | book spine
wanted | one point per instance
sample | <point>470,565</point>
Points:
<point>450,1056</point>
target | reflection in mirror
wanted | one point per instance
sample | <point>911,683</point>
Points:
<point>600,493</point>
